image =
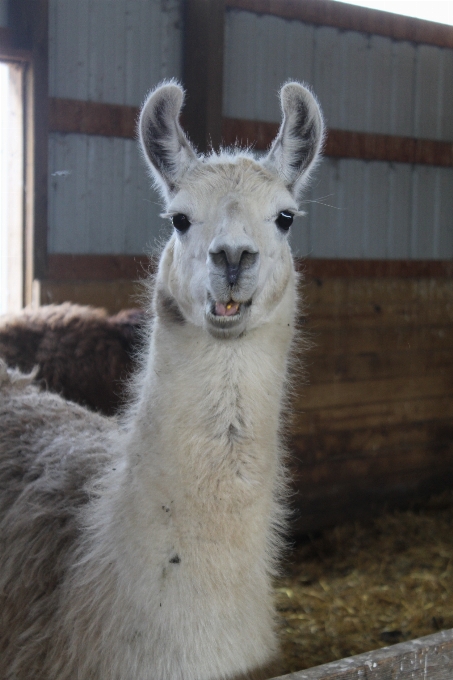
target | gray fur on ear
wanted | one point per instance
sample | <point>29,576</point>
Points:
<point>164,144</point>
<point>296,148</point>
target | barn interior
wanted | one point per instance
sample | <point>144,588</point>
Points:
<point>371,434</point>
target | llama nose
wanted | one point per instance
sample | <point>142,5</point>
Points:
<point>233,259</point>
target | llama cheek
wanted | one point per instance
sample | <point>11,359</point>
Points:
<point>167,309</point>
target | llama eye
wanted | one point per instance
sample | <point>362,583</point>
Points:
<point>180,222</point>
<point>284,220</point>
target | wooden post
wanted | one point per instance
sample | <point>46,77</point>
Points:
<point>203,71</point>
<point>29,24</point>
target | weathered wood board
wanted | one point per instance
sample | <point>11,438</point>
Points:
<point>373,424</point>
<point>427,658</point>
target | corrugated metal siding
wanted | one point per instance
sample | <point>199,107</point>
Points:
<point>359,209</point>
<point>99,197</point>
<point>113,51</point>
<point>4,13</point>
<point>365,83</point>
<point>110,51</point>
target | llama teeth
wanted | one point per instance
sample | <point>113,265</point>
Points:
<point>230,309</point>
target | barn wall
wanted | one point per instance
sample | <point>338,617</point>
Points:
<point>373,209</point>
<point>365,83</point>
<point>373,426</point>
<point>111,51</point>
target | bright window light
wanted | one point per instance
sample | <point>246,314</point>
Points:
<point>434,10</point>
<point>11,187</point>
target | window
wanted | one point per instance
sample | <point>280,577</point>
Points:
<point>11,186</point>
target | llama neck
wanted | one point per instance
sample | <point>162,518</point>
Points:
<point>204,438</point>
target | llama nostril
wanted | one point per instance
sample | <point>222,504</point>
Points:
<point>219,258</point>
<point>233,261</point>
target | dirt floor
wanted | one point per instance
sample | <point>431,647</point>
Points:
<point>367,585</point>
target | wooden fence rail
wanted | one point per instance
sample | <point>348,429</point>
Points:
<point>426,658</point>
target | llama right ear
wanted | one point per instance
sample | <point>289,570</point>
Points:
<point>296,148</point>
<point>164,144</point>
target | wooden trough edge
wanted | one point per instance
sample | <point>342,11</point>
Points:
<point>426,658</point>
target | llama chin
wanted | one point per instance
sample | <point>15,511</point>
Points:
<point>145,548</point>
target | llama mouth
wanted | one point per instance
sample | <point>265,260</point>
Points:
<point>226,317</point>
<point>232,308</point>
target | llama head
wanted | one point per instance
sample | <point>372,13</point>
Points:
<point>228,265</point>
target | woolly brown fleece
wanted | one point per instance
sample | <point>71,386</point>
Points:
<point>81,352</point>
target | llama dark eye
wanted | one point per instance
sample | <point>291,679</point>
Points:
<point>180,222</point>
<point>284,220</point>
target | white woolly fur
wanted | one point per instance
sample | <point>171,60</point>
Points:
<point>144,550</point>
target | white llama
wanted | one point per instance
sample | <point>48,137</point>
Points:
<point>145,550</point>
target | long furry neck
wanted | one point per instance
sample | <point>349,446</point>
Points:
<point>205,431</point>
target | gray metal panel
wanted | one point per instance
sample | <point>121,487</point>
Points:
<point>327,72</point>
<point>446,101</point>
<point>400,211</point>
<point>365,83</point>
<point>379,91</point>
<point>113,50</point>
<point>355,56</point>
<point>402,88</point>
<point>376,199</point>
<point>359,209</point>
<point>100,200</point>
<point>265,51</point>
<point>445,229</point>
<point>4,13</point>
<point>428,92</point>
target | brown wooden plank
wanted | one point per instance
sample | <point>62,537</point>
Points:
<point>337,268</point>
<point>372,442</point>
<point>319,506</point>
<point>66,267</point>
<point>329,316</point>
<point>347,144</point>
<point>317,274</point>
<point>366,146</point>
<point>426,658</point>
<point>243,133</point>
<point>329,368</point>
<point>353,18</point>
<point>203,71</point>
<point>349,292</point>
<point>114,120</point>
<point>332,490</point>
<point>355,474</point>
<point>358,416</point>
<point>112,295</point>
<point>92,118</point>
<point>388,390</point>
<point>344,340</point>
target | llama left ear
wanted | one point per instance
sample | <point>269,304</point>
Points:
<point>164,144</point>
<point>296,148</point>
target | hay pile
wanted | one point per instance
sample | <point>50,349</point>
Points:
<point>363,586</point>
